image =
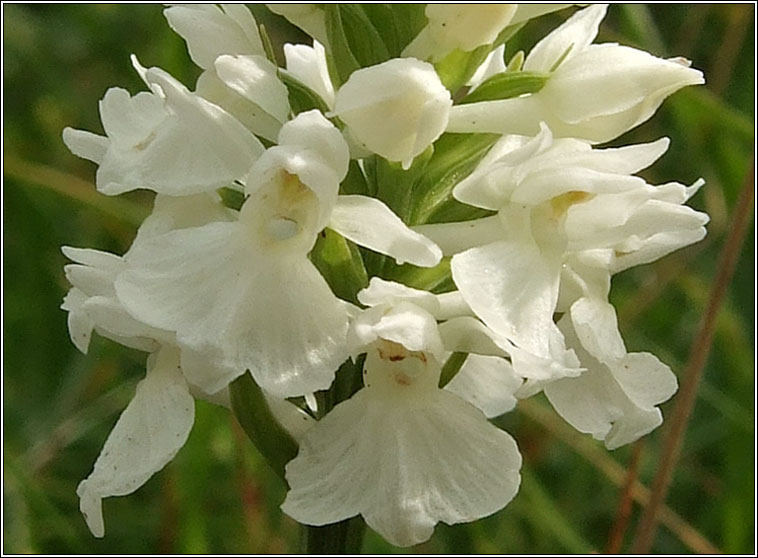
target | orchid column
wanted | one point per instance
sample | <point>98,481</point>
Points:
<point>365,271</point>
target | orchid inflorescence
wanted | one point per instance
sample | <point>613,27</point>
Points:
<point>365,270</point>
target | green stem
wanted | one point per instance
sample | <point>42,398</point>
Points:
<point>345,537</point>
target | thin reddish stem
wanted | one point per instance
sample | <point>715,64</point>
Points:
<point>701,347</point>
<point>624,511</point>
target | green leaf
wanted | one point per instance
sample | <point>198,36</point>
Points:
<point>455,156</point>
<point>232,197</point>
<point>364,40</point>
<point>253,413</point>
<point>398,24</point>
<point>506,86</point>
<point>393,185</point>
<point>268,47</point>
<point>339,261</point>
<point>354,42</point>
<point>451,367</point>
<point>435,279</point>
<point>355,182</point>
<point>458,66</point>
<point>340,58</point>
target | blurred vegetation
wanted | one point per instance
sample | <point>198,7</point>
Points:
<point>217,496</point>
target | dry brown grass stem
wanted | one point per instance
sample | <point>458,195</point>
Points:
<point>685,400</point>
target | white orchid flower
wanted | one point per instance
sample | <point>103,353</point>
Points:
<point>616,398</point>
<point>169,140</point>
<point>555,199</point>
<point>594,92</point>
<point>401,452</point>
<point>157,421</point>
<point>246,289</point>
<point>395,109</point>
<point>224,41</point>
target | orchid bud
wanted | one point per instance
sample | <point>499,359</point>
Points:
<point>395,109</point>
<point>594,92</point>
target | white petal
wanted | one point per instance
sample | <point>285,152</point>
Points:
<point>79,323</point>
<point>469,335</point>
<point>629,159</point>
<point>147,436</point>
<point>206,369</point>
<point>297,184</point>
<point>547,183</point>
<point>93,258</point>
<point>308,65</point>
<point>209,32</point>
<point>453,238</point>
<point>254,77</point>
<point>112,321</point>
<point>515,300</point>
<point>180,212</point>
<point>311,18</point>
<point>91,281</point>
<point>492,65</point>
<point>368,222</point>
<point>400,119</point>
<point>488,383</point>
<point>249,114</point>
<point>294,420</point>
<point>452,305</point>
<point>194,147</point>
<point>657,246</point>
<point>526,12</point>
<point>270,313</point>
<point>594,321</point>
<point>403,467</point>
<point>594,404</point>
<point>467,26</point>
<point>86,144</point>
<point>597,403</point>
<point>610,79</point>
<point>576,34</point>
<point>380,291</point>
<point>519,115</point>
<point>645,379</point>
<point>403,323</point>
<point>312,131</point>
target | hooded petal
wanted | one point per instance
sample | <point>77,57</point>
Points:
<point>368,222</point>
<point>149,432</point>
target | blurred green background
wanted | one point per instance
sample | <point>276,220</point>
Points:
<point>217,496</point>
